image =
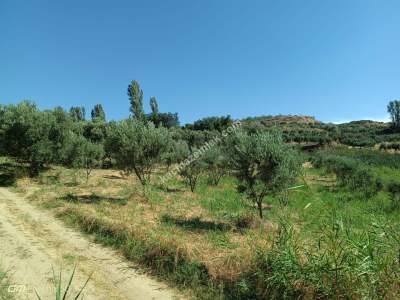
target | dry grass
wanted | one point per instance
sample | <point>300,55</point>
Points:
<point>213,241</point>
<point>177,220</point>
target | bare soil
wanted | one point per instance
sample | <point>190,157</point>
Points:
<point>32,241</point>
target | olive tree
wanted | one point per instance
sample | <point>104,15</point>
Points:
<point>137,146</point>
<point>92,156</point>
<point>192,170</point>
<point>78,152</point>
<point>263,164</point>
<point>215,163</point>
<point>72,150</point>
<point>27,134</point>
<point>177,152</point>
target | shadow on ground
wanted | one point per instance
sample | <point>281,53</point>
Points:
<point>114,177</point>
<point>195,224</point>
<point>92,199</point>
<point>10,172</point>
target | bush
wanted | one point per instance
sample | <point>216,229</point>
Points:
<point>215,164</point>
<point>338,265</point>
<point>263,164</point>
<point>192,172</point>
<point>350,173</point>
<point>27,134</point>
<point>92,156</point>
<point>177,152</point>
<point>137,146</point>
<point>388,146</point>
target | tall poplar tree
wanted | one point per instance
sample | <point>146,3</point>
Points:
<point>98,113</point>
<point>135,94</point>
<point>154,105</point>
<point>394,111</point>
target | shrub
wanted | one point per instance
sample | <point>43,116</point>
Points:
<point>137,147</point>
<point>337,265</point>
<point>387,146</point>
<point>177,152</point>
<point>27,134</point>
<point>72,149</point>
<point>79,152</point>
<point>350,173</point>
<point>192,172</point>
<point>263,164</point>
<point>92,156</point>
<point>215,163</point>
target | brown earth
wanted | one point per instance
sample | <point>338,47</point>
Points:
<point>33,241</point>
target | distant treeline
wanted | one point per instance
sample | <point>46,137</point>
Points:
<point>66,137</point>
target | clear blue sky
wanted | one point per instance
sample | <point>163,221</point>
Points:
<point>337,60</point>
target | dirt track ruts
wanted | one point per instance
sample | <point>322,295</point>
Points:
<point>32,241</point>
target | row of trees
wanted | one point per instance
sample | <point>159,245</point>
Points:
<point>78,113</point>
<point>261,161</point>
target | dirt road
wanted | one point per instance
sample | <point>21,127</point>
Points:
<point>32,241</point>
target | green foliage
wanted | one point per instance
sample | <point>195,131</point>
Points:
<point>394,192</point>
<point>362,133</point>
<point>191,167</point>
<point>176,153</point>
<point>138,147</point>
<point>350,173</point>
<point>215,164</point>
<point>95,132</point>
<point>389,146</point>
<point>60,131</point>
<point>79,152</point>
<point>338,265</point>
<point>31,135</point>
<point>211,124</point>
<point>154,106</point>
<point>393,109</point>
<point>92,156</point>
<point>263,164</point>
<point>98,114</point>
<point>72,151</point>
<point>135,94</point>
<point>167,120</point>
<point>77,113</point>
<point>367,157</point>
<point>195,139</point>
<point>192,172</point>
<point>16,121</point>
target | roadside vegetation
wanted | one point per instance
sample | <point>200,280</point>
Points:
<point>251,218</point>
<point>325,241</point>
<point>64,292</point>
<point>4,284</point>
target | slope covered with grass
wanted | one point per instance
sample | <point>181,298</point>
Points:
<point>325,242</point>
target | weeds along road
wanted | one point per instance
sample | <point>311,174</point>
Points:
<point>32,241</point>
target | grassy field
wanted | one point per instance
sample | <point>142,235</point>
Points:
<point>325,242</point>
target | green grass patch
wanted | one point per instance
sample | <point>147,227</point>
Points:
<point>325,242</point>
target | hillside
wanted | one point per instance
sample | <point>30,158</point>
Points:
<point>362,133</point>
